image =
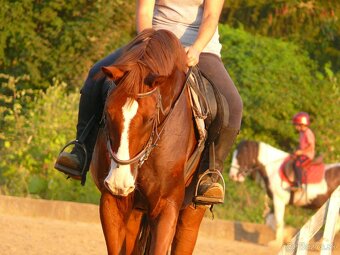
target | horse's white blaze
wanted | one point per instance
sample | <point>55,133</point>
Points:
<point>233,173</point>
<point>120,180</point>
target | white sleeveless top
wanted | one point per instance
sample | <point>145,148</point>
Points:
<point>183,18</point>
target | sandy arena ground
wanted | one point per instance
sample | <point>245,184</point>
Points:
<point>35,227</point>
<point>35,236</point>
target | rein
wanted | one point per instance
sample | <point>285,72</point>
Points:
<point>155,135</point>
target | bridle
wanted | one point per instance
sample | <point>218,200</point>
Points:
<point>153,138</point>
<point>157,128</point>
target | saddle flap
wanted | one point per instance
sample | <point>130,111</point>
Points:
<point>214,106</point>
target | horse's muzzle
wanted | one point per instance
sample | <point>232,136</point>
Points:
<point>123,192</point>
<point>120,181</point>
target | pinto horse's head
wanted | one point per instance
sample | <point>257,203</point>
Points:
<point>244,161</point>
<point>145,75</point>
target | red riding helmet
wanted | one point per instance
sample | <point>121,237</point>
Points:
<point>301,118</point>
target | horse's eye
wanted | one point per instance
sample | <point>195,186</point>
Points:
<point>150,79</point>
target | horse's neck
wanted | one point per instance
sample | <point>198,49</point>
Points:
<point>333,165</point>
<point>270,157</point>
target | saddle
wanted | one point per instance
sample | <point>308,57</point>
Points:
<point>208,106</point>
<point>312,171</point>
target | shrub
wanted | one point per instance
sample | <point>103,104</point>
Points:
<point>32,140</point>
<point>277,79</point>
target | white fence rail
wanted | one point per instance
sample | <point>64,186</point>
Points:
<point>327,215</point>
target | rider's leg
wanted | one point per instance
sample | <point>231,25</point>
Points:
<point>91,106</point>
<point>297,173</point>
<point>298,168</point>
<point>212,67</point>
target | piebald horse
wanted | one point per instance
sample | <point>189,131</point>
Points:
<point>141,152</point>
<point>252,157</point>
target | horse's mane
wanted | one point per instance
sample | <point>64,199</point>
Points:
<point>249,150</point>
<point>151,54</point>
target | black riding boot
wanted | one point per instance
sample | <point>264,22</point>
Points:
<point>210,191</point>
<point>75,163</point>
<point>298,177</point>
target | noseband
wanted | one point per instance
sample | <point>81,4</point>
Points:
<point>156,132</point>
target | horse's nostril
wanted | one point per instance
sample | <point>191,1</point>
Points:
<point>130,189</point>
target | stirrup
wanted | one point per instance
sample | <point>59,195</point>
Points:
<point>203,200</point>
<point>82,145</point>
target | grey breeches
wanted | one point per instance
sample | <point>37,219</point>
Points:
<point>212,67</point>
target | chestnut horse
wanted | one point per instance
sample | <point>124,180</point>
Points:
<point>141,152</point>
<point>253,157</point>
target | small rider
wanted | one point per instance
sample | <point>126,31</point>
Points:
<point>306,151</point>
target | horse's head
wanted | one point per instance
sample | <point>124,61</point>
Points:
<point>148,75</point>
<point>244,161</point>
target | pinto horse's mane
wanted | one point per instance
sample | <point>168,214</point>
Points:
<point>251,152</point>
<point>152,54</point>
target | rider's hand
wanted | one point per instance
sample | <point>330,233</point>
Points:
<point>298,152</point>
<point>193,56</point>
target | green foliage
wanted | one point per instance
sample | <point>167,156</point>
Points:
<point>277,79</point>
<point>47,39</point>
<point>243,202</point>
<point>314,25</point>
<point>31,141</point>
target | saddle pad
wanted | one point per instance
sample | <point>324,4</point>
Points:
<point>313,173</point>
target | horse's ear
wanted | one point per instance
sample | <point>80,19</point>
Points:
<point>112,72</point>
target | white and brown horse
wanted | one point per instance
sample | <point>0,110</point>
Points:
<point>252,157</point>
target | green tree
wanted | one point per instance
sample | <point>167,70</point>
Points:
<point>32,140</point>
<point>60,39</point>
<point>276,79</point>
<point>314,25</point>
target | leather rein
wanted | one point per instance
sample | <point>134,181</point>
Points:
<point>156,132</point>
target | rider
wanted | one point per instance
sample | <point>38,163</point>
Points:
<point>306,151</point>
<point>195,23</point>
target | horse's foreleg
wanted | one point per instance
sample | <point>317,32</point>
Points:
<point>132,231</point>
<point>279,212</point>
<point>163,227</point>
<point>112,217</point>
<point>187,230</point>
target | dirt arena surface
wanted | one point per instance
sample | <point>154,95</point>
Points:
<point>35,227</point>
<point>35,236</point>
